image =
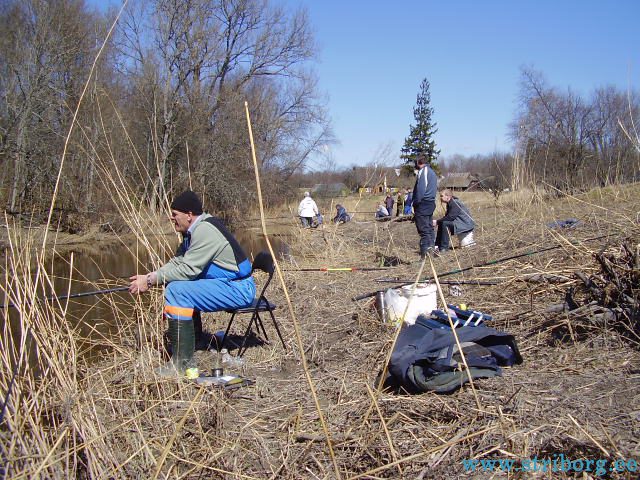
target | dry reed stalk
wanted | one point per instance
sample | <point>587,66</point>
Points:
<point>286,293</point>
<point>178,428</point>
<point>383,423</point>
<point>455,335</point>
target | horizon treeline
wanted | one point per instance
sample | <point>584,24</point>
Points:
<point>561,139</point>
<point>164,109</point>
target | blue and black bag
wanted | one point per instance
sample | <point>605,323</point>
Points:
<point>427,358</point>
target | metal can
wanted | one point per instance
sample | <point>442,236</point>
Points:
<point>381,307</point>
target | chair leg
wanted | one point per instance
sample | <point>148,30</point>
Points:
<point>246,334</point>
<point>275,324</point>
<point>260,326</point>
<point>226,332</point>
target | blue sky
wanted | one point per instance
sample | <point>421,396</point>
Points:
<point>374,54</point>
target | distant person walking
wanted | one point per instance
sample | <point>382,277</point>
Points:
<point>307,210</point>
<point>400,202</point>
<point>424,204</point>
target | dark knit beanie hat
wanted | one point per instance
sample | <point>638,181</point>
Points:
<point>187,202</point>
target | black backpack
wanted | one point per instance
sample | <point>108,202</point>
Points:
<point>428,359</point>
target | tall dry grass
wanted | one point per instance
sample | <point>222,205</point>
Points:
<point>67,418</point>
<point>62,417</point>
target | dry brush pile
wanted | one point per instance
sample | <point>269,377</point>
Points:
<point>575,394</point>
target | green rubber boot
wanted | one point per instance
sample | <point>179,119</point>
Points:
<point>181,335</point>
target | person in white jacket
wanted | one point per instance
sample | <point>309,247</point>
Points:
<point>307,210</point>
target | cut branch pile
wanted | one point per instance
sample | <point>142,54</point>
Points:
<point>610,296</point>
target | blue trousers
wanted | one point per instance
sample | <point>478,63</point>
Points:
<point>209,294</point>
<point>443,238</point>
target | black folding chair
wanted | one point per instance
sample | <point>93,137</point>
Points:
<point>264,262</point>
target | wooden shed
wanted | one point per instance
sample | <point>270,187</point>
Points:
<point>459,181</point>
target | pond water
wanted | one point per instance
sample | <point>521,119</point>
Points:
<point>93,314</point>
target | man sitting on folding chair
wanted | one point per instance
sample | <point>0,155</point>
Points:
<point>210,272</point>
<point>457,220</point>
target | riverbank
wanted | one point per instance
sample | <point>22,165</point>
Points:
<point>575,394</point>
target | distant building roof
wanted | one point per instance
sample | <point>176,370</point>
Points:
<point>459,180</point>
<point>330,189</point>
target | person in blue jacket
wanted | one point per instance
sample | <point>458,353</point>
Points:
<point>210,272</point>
<point>424,204</point>
<point>408,201</point>
<point>341,215</point>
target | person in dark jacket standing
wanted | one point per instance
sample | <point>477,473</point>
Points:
<point>388,202</point>
<point>424,204</point>
<point>400,202</point>
<point>456,220</point>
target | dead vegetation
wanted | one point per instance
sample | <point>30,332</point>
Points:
<point>576,393</point>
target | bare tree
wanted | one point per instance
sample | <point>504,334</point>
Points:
<point>193,64</point>
<point>572,142</point>
<point>45,54</point>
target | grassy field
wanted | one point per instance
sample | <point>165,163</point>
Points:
<point>314,410</point>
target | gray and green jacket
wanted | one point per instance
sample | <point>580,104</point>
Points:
<point>209,250</point>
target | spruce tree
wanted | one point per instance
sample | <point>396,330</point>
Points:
<point>420,140</point>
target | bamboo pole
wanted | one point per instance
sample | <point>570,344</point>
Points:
<point>296,326</point>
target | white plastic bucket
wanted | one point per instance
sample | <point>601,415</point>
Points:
<point>423,299</point>
<point>466,239</point>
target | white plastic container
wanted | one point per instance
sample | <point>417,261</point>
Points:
<point>466,239</point>
<point>405,304</point>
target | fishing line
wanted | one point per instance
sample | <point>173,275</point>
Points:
<point>485,264</point>
<point>74,295</point>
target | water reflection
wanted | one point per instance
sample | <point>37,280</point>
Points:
<point>254,242</point>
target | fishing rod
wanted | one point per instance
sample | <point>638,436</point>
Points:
<point>340,269</point>
<point>486,264</point>
<point>74,295</point>
<point>290,217</point>
<point>444,282</point>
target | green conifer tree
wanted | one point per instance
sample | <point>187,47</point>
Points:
<point>420,140</point>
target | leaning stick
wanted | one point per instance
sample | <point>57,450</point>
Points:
<point>296,327</point>
<point>455,335</point>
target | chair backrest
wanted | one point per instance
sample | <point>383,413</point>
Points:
<point>264,262</point>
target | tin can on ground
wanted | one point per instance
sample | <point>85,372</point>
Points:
<point>381,307</point>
